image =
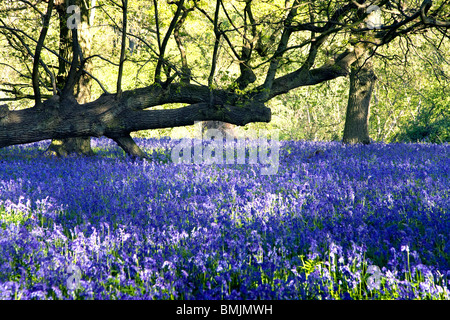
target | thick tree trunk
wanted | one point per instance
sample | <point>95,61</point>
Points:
<point>79,145</point>
<point>362,81</point>
<point>69,146</point>
<point>109,116</point>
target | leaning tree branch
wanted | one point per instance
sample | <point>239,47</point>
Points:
<point>247,75</point>
<point>103,117</point>
<point>158,34</point>
<point>339,67</point>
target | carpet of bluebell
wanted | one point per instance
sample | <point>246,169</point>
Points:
<point>157,230</point>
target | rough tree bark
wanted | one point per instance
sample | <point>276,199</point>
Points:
<point>362,81</point>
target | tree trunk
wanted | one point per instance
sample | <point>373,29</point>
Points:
<point>362,81</point>
<point>79,145</point>
<point>115,118</point>
<point>68,146</point>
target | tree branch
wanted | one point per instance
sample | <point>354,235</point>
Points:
<point>216,44</point>
<point>99,118</point>
<point>37,56</point>
<point>166,40</point>
<point>185,76</point>
<point>274,63</point>
<point>424,8</point>
<point>123,47</point>
<point>330,70</point>
<point>77,62</point>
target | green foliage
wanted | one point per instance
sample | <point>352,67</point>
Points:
<point>411,99</point>
<point>420,131</point>
<point>16,217</point>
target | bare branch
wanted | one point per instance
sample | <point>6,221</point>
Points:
<point>186,72</point>
<point>431,21</point>
<point>37,55</point>
<point>158,34</point>
<point>166,40</point>
<point>123,47</point>
<point>222,32</point>
<point>15,32</point>
<point>282,45</point>
<point>216,45</point>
